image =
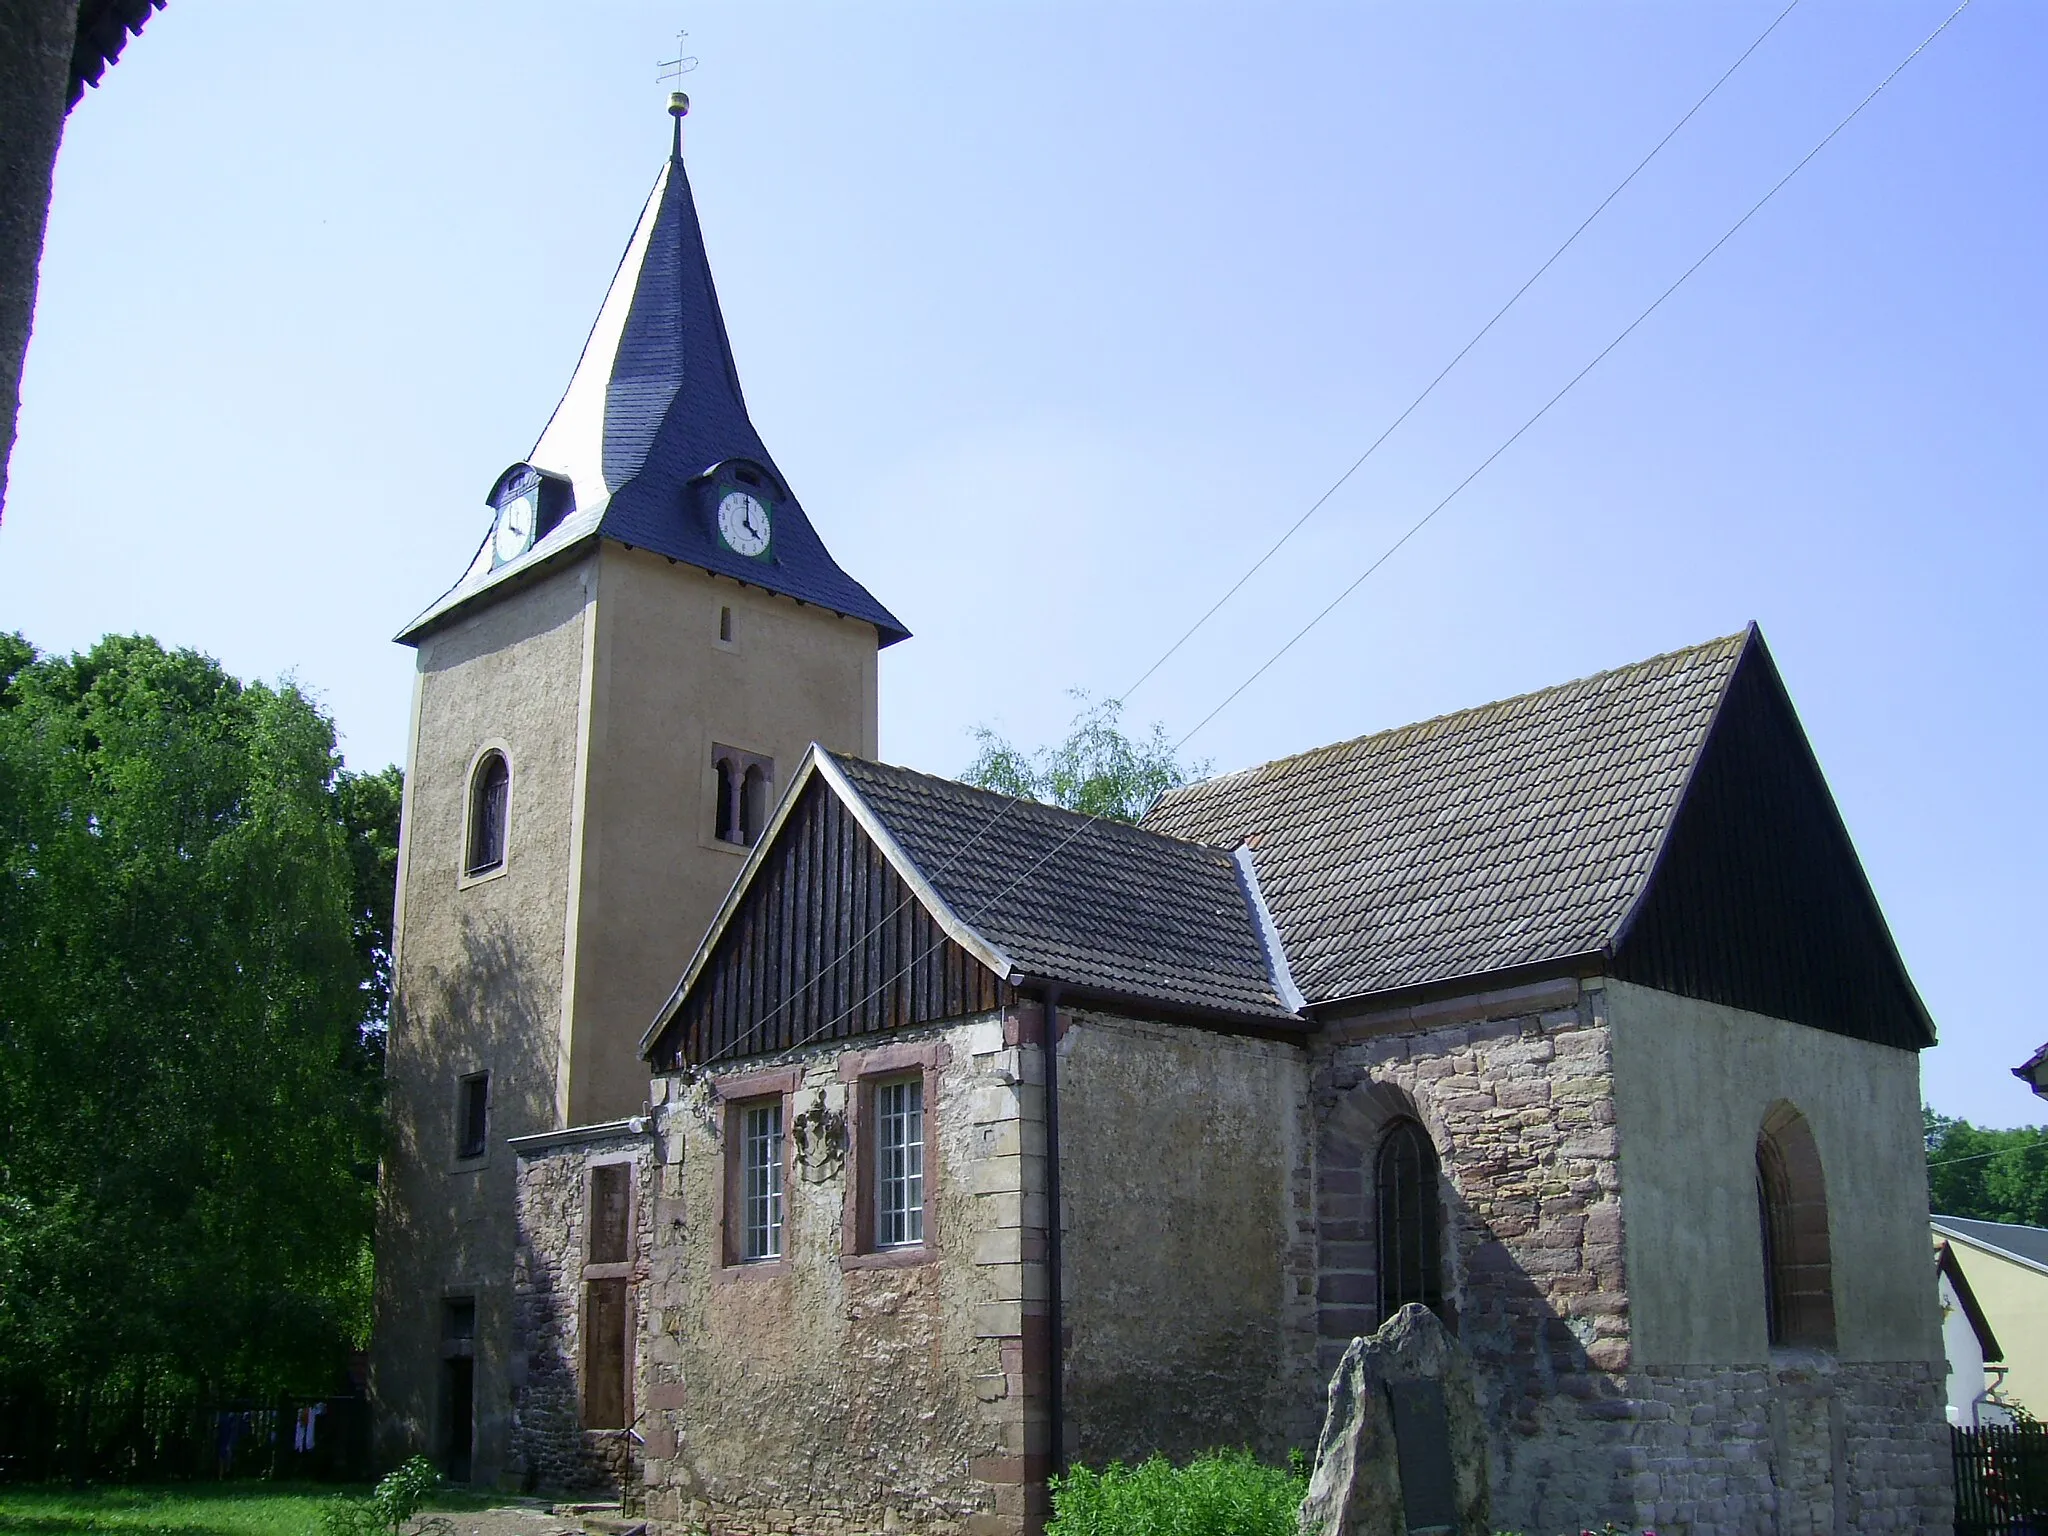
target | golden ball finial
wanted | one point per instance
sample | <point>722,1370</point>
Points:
<point>678,104</point>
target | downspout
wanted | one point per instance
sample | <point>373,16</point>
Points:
<point>1056,1330</point>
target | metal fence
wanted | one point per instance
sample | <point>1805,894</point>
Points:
<point>2001,1480</point>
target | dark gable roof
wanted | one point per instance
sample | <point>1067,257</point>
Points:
<point>1665,820</point>
<point>1096,905</point>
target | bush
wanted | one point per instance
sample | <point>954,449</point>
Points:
<point>390,1505</point>
<point>1219,1493</point>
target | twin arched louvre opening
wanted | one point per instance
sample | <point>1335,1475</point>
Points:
<point>1792,1210</point>
<point>745,795</point>
<point>490,786</point>
<point>828,943</point>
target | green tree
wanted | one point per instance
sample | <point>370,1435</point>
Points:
<point>1097,770</point>
<point>194,932</point>
<point>1987,1175</point>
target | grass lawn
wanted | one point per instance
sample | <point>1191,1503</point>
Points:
<point>184,1509</point>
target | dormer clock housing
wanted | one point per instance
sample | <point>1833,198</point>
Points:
<point>528,504</point>
<point>739,500</point>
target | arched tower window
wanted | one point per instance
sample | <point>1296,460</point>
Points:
<point>489,789</point>
<point>1409,1228</point>
<point>753,803</point>
<point>728,802</point>
<point>1792,1207</point>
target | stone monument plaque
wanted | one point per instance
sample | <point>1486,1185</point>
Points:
<point>1422,1450</point>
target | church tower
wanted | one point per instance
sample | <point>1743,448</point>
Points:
<point>605,706</point>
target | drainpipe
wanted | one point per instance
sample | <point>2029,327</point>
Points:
<point>1056,1330</point>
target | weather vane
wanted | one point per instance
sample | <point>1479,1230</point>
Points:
<point>672,72</point>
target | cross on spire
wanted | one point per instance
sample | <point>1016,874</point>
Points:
<point>672,72</point>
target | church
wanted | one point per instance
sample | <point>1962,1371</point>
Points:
<point>791,1142</point>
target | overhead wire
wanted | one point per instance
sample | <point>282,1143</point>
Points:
<point>1385,555</point>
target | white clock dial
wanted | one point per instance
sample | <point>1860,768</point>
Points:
<point>515,526</point>
<point>743,523</point>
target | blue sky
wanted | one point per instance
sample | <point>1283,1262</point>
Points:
<point>1055,315</point>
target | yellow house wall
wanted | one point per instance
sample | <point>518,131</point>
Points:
<point>2015,1302</point>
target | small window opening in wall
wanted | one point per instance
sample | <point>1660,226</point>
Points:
<point>1408,1223</point>
<point>899,1162</point>
<point>746,477</point>
<point>472,1115</point>
<point>725,625</point>
<point>489,789</point>
<point>761,1181</point>
<point>745,785</point>
<point>610,1220</point>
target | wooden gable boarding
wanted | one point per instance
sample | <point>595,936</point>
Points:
<point>828,942</point>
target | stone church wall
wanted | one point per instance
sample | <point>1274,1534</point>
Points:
<point>822,1397</point>
<point>1189,1270</point>
<point>550,1449</point>
<point>1518,1092</point>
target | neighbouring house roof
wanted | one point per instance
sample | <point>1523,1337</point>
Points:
<point>1665,821</point>
<point>2023,1245</point>
<point>2030,1072</point>
<point>653,408</point>
<point>1027,892</point>
<point>104,27</point>
<point>1945,1264</point>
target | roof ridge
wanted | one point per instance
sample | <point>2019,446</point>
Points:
<point>1120,827</point>
<point>1736,639</point>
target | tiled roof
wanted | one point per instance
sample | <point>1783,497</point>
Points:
<point>104,27</point>
<point>1511,834</point>
<point>1093,904</point>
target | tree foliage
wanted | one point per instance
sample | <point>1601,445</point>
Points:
<point>1098,770</point>
<point>1987,1175</point>
<point>195,911</point>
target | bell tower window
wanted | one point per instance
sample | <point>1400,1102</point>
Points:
<point>743,790</point>
<point>490,787</point>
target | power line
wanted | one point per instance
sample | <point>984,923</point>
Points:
<point>1357,582</point>
<point>1978,1157</point>
<point>1477,337</point>
<point>1571,383</point>
<point>1429,389</point>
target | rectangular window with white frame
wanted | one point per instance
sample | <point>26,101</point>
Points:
<point>760,1170</point>
<point>898,1143</point>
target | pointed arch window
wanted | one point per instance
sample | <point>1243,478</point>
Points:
<point>1792,1210</point>
<point>489,796</point>
<point>1409,1221</point>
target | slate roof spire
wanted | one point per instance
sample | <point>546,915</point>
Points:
<point>653,421</point>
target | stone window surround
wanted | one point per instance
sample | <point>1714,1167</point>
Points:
<point>1793,1233</point>
<point>1350,1140</point>
<point>463,878</point>
<point>731,800</point>
<point>738,1092</point>
<point>860,1071</point>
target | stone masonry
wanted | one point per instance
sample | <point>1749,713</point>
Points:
<point>1516,1091</point>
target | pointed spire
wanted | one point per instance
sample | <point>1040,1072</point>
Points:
<point>653,426</point>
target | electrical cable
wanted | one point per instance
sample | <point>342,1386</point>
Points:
<point>1477,337</point>
<point>1335,602</point>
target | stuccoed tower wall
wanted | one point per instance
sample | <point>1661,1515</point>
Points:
<point>605,685</point>
<point>1604,1266</point>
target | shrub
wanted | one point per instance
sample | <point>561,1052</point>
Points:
<point>393,1502</point>
<point>1219,1493</point>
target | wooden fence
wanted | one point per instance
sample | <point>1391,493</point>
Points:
<point>2001,1480</point>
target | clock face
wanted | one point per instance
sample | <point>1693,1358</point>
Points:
<point>515,526</point>
<point>743,524</point>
